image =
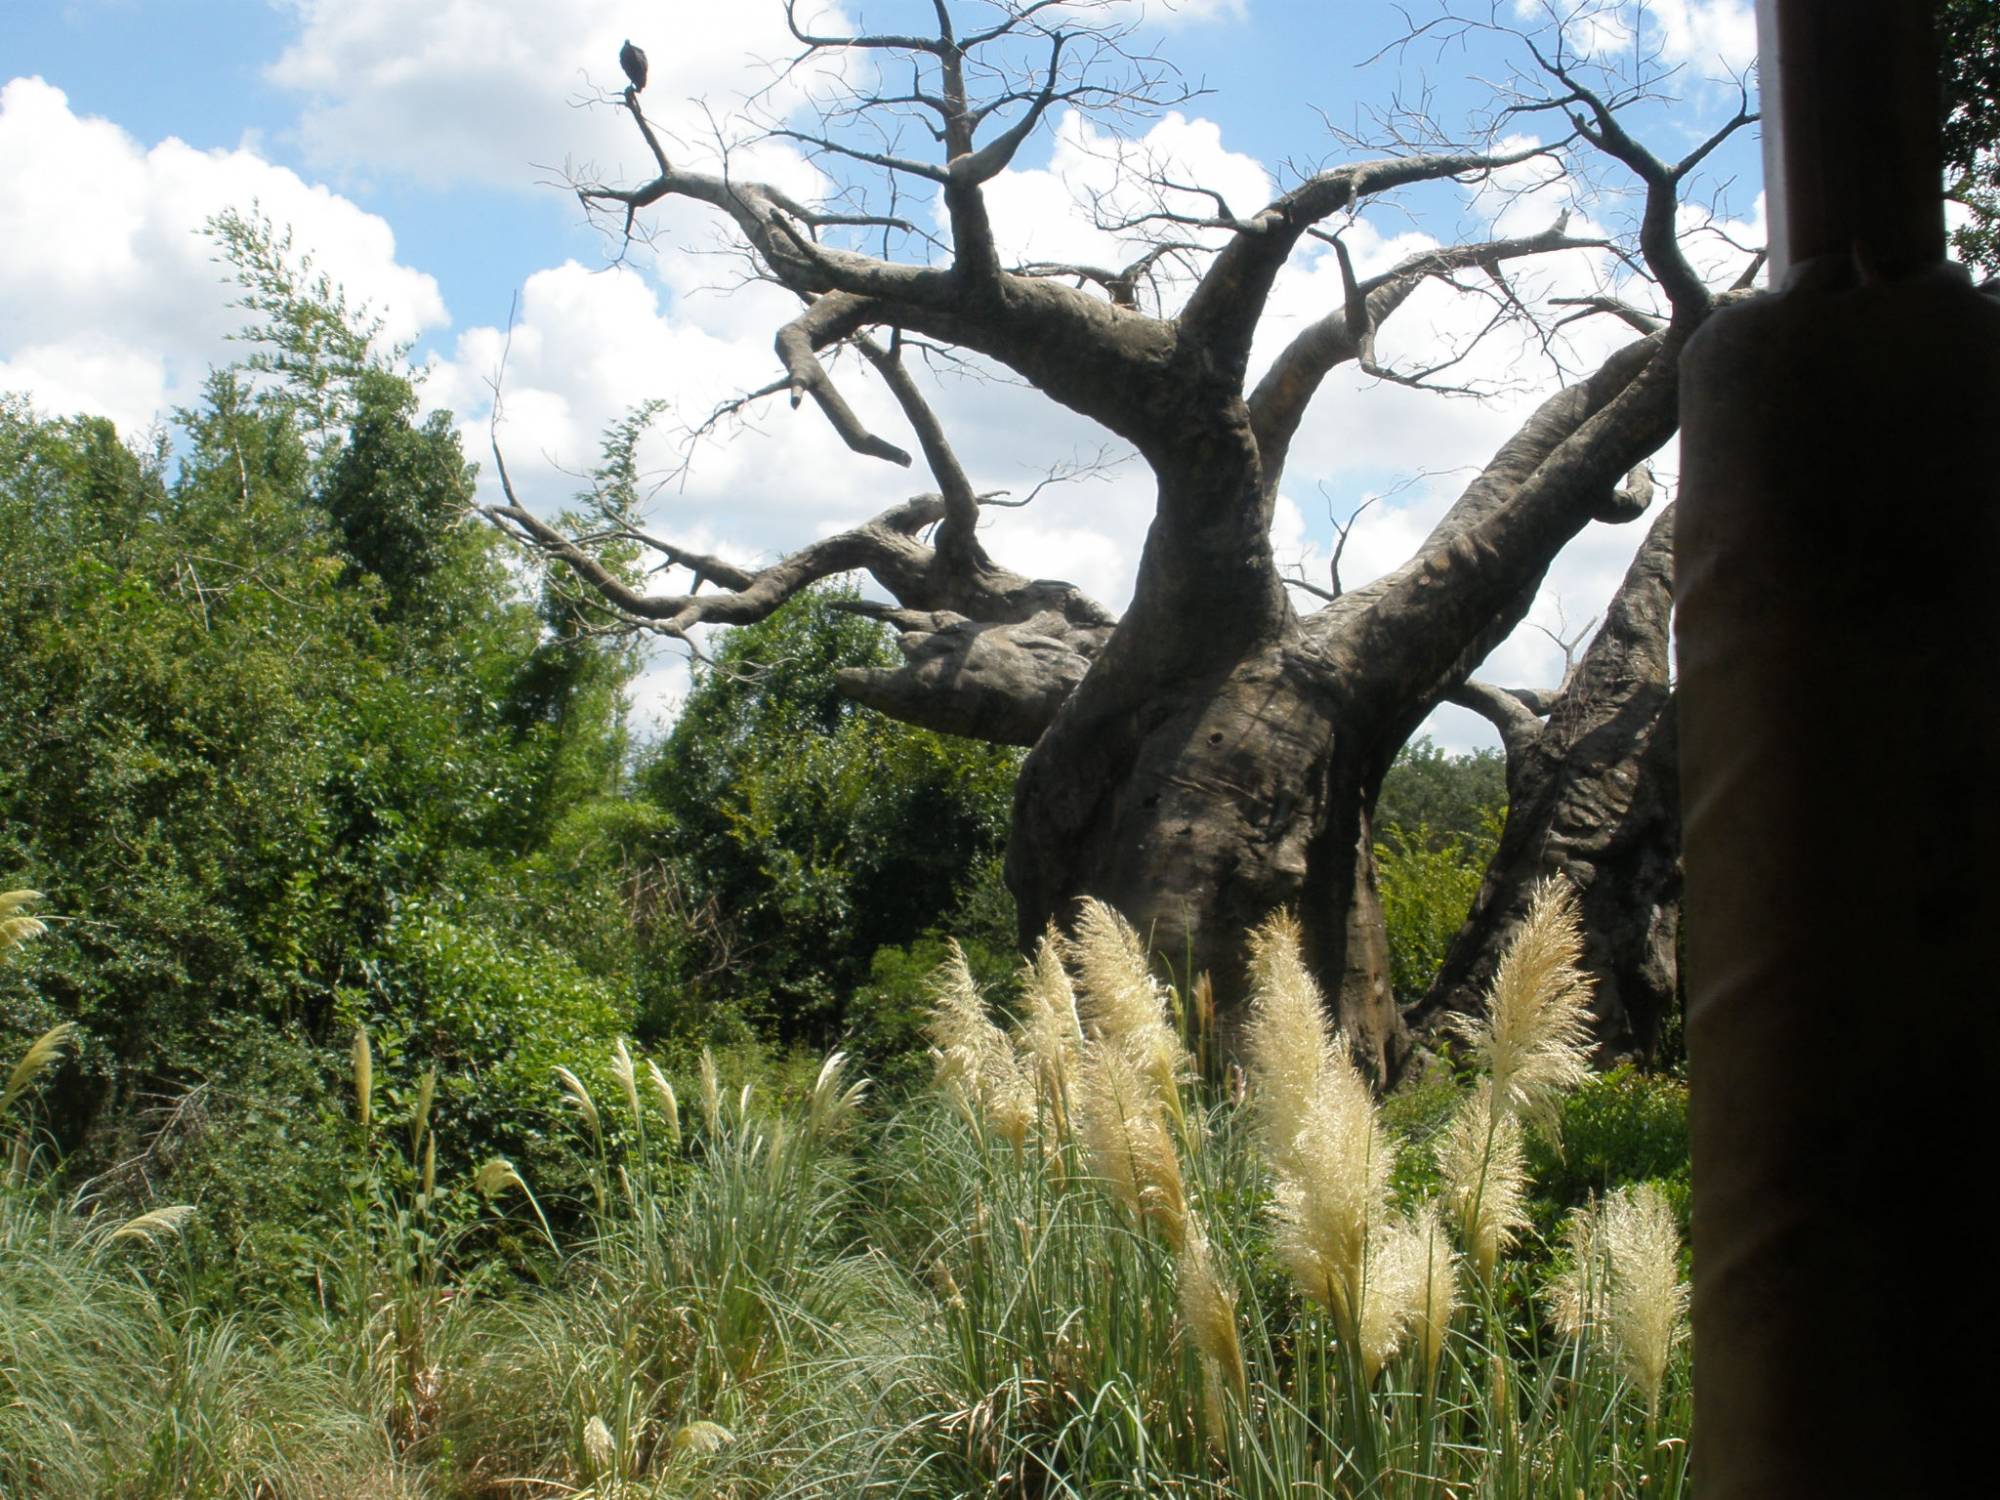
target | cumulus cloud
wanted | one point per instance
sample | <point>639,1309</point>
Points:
<point>483,90</point>
<point>110,298</point>
<point>1705,33</point>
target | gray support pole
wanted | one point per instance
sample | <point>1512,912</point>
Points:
<point>1838,586</point>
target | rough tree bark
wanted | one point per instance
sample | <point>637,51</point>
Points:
<point>1593,796</point>
<point>1214,753</point>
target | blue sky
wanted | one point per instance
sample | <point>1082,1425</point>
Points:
<point>401,142</point>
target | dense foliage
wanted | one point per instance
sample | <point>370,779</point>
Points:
<point>1969,59</point>
<point>810,836</point>
<point>1437,823</point>
<point>294,745</point>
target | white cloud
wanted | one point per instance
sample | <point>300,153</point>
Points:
<point>110,297</point>
<point>1705,33</point>
<point>483,90</point>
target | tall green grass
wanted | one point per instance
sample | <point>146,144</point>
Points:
<point>1071,1268</point>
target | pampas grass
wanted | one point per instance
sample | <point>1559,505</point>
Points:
<point>16,925</point>
<point>1533,1041</point>
<point>1622,1286</point>
<point>43,1053</point>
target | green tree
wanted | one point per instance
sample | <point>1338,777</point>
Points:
<point>283,742</point>
<point>1969,60</point>
<point>805,834</point>
<point>1450,798</point>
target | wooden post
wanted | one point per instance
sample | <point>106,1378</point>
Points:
<point>1838,593</point>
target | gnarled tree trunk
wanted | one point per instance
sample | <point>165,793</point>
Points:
<point>1592,797</point>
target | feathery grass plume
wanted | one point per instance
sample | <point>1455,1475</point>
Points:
<point>1575,1293</point>
<point>1127,1140</point>
<point>496,1177</point>
<point>43,1053</point>
<point>711,1093</point>
<point>156,1225</point>
<point>670,1104</point>
<point>1646,1309</point>
<point>1288,1039</point>
<point>1049,1033</point>
<point>1208,1307</point>
<point>976,1062</point>
<point>427,1184</point>
<point>1533,1043</point>
<point>420,1116</point>
<point>832,1106</point>
<point>1122,1002</point>
<point>600,1448</point>
<point>1437,1297</point>
<point>627,1078</point>
<point>1332,1193</point>
<point>1392,1293</point>
<point>1483,1160</point>
<point>16,926</point>
<point>703,1437</point>
<point>580,1097</point>
<point>364,1079</point>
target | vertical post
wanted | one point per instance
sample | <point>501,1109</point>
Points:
<point>1838,590</point>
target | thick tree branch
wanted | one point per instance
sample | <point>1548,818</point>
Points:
<point>1223,312</point>
<point>1281,398</point>
<point>1519,727</point>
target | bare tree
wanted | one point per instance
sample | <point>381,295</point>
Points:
<point>1213,753</point>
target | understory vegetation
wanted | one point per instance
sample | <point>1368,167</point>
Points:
<point>411,1087</point>
<point>1073,1264</point>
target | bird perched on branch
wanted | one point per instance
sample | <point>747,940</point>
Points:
<point>633,61</point>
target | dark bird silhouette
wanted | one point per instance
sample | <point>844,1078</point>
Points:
<point>633,61</point>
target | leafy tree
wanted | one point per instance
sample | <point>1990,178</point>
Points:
<point>1431,797</point>
<point>810,833</point>
<point>285,740</point>
<point>1969,59</point>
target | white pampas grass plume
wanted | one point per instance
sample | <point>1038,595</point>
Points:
<point>1649,1301</point>
<point>1289,1042</point>
<point>1332,1193</point>
<point>627,1078</point>
<point>1208,1307</point>
<point>156,1225</point>
<point>1437,1295</point>
<point>498,1175</point>
<point>1483,1161</point>
<point>16,926</point>
<point>580,1097</point>
<point>1127,1139</point>
<point>711,1092</point>
<point>1392,1292</point>
<point>1049,1035</point>
<point>43,1053</point>
<point>1575,1293</point>
<point>1533,1043</point>
<point>976,1062</point>
<point>670,1104</point>
<point>1623,1284</point>
<point>703,1437</point>
<point>1122,1003</point>
<point>831,1104</point>
<point>600,1448</point>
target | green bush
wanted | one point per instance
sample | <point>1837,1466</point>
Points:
<point>1428,885</point>
<point>1619,1127</point>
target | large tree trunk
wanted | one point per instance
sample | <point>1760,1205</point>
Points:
<point>1225,798</point>
<point>1593,797</point>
